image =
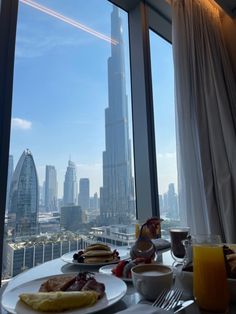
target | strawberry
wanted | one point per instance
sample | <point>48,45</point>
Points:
<point>118,271</point>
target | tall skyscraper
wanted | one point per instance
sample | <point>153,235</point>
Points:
<point>24,197</point>
<point>94,202</point>
<point>71,217</point>
<point>161,204</point>
<point>50,189</point>
<point>173,211</point>
<point>116,193</point>
<point>83,200</point>
<point>9,179</point>
<point>70,185</point>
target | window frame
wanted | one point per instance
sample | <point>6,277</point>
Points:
<point>8,20</point>
<point>142,17</point>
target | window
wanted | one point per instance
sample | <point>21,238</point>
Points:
<point>71,157</point>
<point>72,127</point>
<point>164,112</point>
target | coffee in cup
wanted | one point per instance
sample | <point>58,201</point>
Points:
<point>150,279</point>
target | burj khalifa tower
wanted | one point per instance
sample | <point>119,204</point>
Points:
<point>117,193</point>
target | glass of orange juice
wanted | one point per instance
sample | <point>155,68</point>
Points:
<point>210,287</point>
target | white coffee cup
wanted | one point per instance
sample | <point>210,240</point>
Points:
<point>150,279</point>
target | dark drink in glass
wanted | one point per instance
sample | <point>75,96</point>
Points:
<point>177,235</point>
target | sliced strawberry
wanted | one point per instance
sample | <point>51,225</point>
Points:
<point>118,271</point>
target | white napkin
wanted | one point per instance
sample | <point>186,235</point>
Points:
<point>144,308</point>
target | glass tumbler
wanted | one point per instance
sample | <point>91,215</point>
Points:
<point>210,287</point>
<point>177,235</point>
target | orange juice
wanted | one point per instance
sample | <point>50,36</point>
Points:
<point>209,278</point>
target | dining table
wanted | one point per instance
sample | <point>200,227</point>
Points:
<point>59,266</point>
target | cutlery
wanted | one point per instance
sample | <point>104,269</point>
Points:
<point>168,299</point>
<point>183,305</point>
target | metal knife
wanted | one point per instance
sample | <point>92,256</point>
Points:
<point>183,305</point>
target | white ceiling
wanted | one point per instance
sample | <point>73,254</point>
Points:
<point>229,6</point>
<point>161,5</point>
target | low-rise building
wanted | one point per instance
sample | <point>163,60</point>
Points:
<point>25,255</point>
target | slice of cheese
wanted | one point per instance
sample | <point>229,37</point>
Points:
<point>59,301</point>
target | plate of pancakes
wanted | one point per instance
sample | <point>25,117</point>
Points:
<point>97,254</point>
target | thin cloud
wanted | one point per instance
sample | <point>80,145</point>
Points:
<point>31,44</point>
<point>21,124</point>
<point>167,155</point>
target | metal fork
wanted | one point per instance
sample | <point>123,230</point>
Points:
<point>168,299</point>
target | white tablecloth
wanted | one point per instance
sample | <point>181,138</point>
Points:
<point>57,266</point>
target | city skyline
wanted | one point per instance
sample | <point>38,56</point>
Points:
<point>91,194</point>
<point>37,121</point>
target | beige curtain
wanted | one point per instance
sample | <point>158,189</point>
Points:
<point>206,119</point>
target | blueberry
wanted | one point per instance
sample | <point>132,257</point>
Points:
<point>80,259</point>
<point>75,256</point>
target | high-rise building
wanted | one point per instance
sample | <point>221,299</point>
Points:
<point>83,199</point>
<point>173,211</point>
<point>161,207</point>
<point>94,202</point>
<point>9,179</point>
<point>24,198</point>
<point>71,217</point>
<point>70,185</point>
<point>51,189</point>
<point>117,204</point>
<point>41,198</point>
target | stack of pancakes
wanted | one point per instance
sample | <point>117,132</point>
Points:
<point>98,253</point>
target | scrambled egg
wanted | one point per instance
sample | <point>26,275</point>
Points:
<point>59,301</point>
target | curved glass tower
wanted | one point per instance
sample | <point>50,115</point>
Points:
<point>24,198</point>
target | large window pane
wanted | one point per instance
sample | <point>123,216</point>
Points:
<point>71,161</point>
<point>164,111</point>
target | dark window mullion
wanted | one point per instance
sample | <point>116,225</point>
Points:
<point>143,118</point>
<point>8,20</point>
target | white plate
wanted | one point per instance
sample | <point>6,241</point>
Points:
<point>108,270</point>
<point>68,258</point>
<point>115,289</point>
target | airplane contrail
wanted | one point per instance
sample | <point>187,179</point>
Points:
<point>69,21</point>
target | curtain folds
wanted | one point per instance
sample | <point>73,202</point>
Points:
<point>205,90</point>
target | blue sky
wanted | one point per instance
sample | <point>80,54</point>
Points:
<point>60,91</point>
<point>164,111</point>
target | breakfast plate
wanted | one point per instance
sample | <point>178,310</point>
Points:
<point>115,289</point>
<point>68,258</point>
<point>107,269</point>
